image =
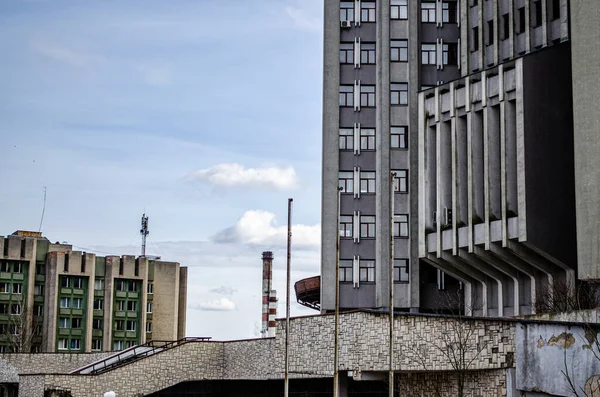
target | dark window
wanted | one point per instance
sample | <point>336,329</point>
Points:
<point>521,20</point>
<point>346,181</point>
<point>399,9</point>
<point>490,32</point>
<point>367,95</point>
<point>347,53</point>
<point>98,304</point>
<point>83,263</point>
<point>505,26</point>
<point>97,323</point>
<point>400,270</point>
<point>399,94</point>
<point>536,15</point>
<point>346,95</point>
<point>347,11</point>
<point>400,225</point>
<point>450,54</point>
<point>400,181</point>
<point>65,282</point>
<point>346,225</point>
<point>399,137</point>
<point>78,282</point>
<point>133,286</point>
<point>75,323</point>
<point>555,9</point>
<point>449,12</point>
<point>4,308</point>
<point>367,270</point>
<point>120,266</point>
<point>475,40</point>
<point>367,226</point>
<point>4,267</point>
<point>367,53</point>
<point>120,325</point>
<point>367,11</point>
<point>399,51</point>
<point>345,270</point>
<point>136,268</point>
<point>428,12</point>
<point>40,268</point>
<point>66,264</point>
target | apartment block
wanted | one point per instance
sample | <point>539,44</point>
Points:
<point>55,299</point>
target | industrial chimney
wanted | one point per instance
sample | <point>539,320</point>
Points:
<point>269,297</point>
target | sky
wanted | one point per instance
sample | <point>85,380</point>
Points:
<point>205,115</point>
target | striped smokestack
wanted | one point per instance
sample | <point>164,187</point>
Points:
<point>269,297</point>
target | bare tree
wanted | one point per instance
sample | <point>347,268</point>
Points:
<point>21,330</point>
<point>561,296</point>
<point>592,387</point>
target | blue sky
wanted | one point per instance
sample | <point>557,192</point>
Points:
<point>206,114</point>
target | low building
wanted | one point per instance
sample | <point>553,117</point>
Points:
<point>54,299</point>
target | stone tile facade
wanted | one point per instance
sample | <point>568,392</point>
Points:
<point>363,348</point>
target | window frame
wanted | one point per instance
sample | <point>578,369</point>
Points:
<point>148,327</point>
<point>5,288</point>
<point>65,300</point>
<point>367,139</point>
<point>131,326</point>
<point>367,225</point>
<point>346,226</point>
<point>98,323</point>
<point>346,268</point>
<point>401,181</point>
<point>77,303</point>
<point>98,304</point>
<point>400,7</point>
<point>367,53</point>
<point>347,53</point>
<point>64,322</point>
<point>401,228</point>
<point>366,267</point>
<point>399,50</point>
<point>347,137</point>
<point>63,344</point>
<point>367,96</point>
<point>96,344</point>
<point>428,54</point>
<point>370,181</point>
<point>368,9</point>
<point>149,307</point>
<point>346,181</point>
<point>347,11</point>
<point>346,97</point>
<point>449,14</point>
<point>428,12</point>
<point>78,282</point>
<point>150,288</point>
<point>99,282</point>
<point>399,264</point>
<point>76,323</point>
<point>4,267</point>
<point>401,132</point>
<point>132,306</point>
<point>400,91</point>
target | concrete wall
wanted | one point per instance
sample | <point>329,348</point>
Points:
<point>165,311</point>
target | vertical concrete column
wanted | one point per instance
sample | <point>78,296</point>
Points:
<point>181,322</point>
<point>465,51</point>
<point>503,178</point>
<point>511,28</point>
<point>30,256</point>
<point>496,11</point>
<point>54,265</point>
<point>520,146</point>
<point>454,166</point>
<point>527,26</point>
<point>423,206</point>
<point>438,172</point>
<point>90,272</point>
<point>470,198</point>
<point>111,272</point>
<point>486,158</point>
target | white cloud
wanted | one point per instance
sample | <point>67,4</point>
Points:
<point>224,290</point>
<point>303,19</point>
<point>257,227</point>
<point>66,55</point>
<point>235,175</point>
<point>222,304</point>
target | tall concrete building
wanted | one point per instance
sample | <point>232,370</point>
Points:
<point>55,299</point>
<point>448,141</point>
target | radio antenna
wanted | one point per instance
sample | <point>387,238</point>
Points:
<point>144,232</point>
<point>43,211</point>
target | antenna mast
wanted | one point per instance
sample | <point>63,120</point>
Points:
<point>144,232</point>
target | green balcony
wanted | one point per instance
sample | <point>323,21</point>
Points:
<point>99,292</point>
<point>18,276</point>
<point>121,294</point>
<point>98,313</point>
<point>77,312</point>
<point>4,317</point>
<point>5,276</point>
<point>4,297</point>
<point>66,291</point>
<point>131,335</point>
<point>65,311</point>
<point>38,299</point>
<point>64,331</point>
<point>132,314</point>
<point>97,332</point>
<point>76,331</point>
<point>77,291</point>
<point>148,316</point>
<point>133,295</point>
<point>118,334</point>
<point>40,277</point>
<point>119,314</point>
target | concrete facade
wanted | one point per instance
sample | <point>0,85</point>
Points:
<point>55,299</point>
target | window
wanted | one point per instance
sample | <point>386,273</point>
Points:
<point>65,282</point>
<point>131,324</point>
<point>148,327</point>
<point>428,54</point>
<point>345,270</point>
<point>505,27</point>
<point>367,182</point>
<point>118,345</point>
<point>347,53</point>
<point>17,267</point>
<point>367,11</point>
<point>449,12</point>
<point>4,267</point>
<point>17,288</point>
<point>346,140</point>
<point>399,9</point>
<point>78,282</point>
<point>149,307</point>
<point>77,303</point>
<point>98,304</point>
<point>450,54</point>
<point>63,344</point>
<point>399,94</point>
<point>4,288</point>
<point>367,139</point>
<point>475,43</point>
<point>367,53</point>
<point>150,288</point>
<point>399,51</point>
<point>400,225</point>
<point>399,137</point>
<point>346,181</point>
<point>99,284</point>
<point>38,290</point>
<point>346,95</point>
<point>15,309</point>
<point>38,310</point>
<point>490,31</point>
<point>4,308</point>
<point>97,323</point>
<point>131,306</point>
<point>346,226</point>
<point>428,12</point>
<point>367,226</point>
<point>121,306</point>
<point>401,181</point>
<point>347,11</point>
<point>367,95</point>
<point>366,270</point>
<point>555,9</point>
<point>96,344</point>
<point>400,270</point>
<point>75,343</point>
<point>40,268</point>
<point>120,325</point>
<point>129,343</point>
<point>133,286</point>
<point>65,303</point>
<point>76,323</point>
<point>536,14</point>
<point>121,285</point>
<point>521,20</point>
<point>64,322</point>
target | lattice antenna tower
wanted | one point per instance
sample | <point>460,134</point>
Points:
<point>144,232</point>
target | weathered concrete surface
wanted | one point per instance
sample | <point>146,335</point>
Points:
<point>548,353</point>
